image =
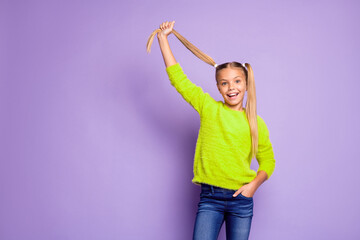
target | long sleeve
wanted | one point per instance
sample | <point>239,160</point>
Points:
<point>265,154</point>
<point>192,93</point>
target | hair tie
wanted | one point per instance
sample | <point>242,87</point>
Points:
<point>243,65</point>
<point>215,65</point>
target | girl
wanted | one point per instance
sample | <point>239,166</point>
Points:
<point>230,136</point>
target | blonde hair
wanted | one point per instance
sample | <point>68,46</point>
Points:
<point>250,108</point>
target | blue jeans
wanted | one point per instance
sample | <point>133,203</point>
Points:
<point>217,205</point>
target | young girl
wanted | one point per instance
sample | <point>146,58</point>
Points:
<point>230,136</point>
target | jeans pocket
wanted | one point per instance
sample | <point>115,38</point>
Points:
<point>249,198</point>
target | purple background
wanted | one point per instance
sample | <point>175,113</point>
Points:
<point>96,143</point>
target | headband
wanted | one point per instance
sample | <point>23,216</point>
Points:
<point>241,64</point>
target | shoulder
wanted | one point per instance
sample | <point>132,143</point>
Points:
<point>211,105</point>
<point>260,120</point>
<point>262,127</point>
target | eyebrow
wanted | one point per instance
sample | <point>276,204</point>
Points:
<point>227,80</point>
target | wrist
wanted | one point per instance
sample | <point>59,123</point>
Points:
<point>255,183</point>
<point>161,36</point>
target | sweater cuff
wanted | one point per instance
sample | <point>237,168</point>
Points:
<point>173,70</point>
<point>268,171</point>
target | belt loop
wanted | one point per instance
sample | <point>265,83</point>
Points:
<point>212,189</point>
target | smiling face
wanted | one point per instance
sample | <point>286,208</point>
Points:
<point>231,83</point>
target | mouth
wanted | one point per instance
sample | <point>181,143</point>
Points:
<point>232,95</point>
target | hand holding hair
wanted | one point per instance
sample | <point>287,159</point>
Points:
<point>168,27</point>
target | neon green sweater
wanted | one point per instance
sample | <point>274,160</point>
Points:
<point>222,156</point>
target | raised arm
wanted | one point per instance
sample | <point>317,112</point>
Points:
<point>192,93</point>
<point>168,56</point>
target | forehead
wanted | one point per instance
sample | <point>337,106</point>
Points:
<point>230,73</point>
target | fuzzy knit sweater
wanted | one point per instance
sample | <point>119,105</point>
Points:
<point>222,156</point>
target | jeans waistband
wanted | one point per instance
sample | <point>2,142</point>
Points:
<point>205,186</point>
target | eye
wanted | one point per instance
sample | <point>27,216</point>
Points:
<point>238,81</point>
<point>223,83</point>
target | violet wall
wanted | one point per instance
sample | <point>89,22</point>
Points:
<point>96,143</point>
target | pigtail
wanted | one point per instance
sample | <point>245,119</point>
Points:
<point>251,110</point>
<point>186,43</point>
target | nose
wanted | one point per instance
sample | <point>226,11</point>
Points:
<point>231,86</point>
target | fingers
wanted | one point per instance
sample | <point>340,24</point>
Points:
<point>236,193</point>
<point>166,25</point>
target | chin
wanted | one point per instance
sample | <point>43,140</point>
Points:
<point>233,104</point>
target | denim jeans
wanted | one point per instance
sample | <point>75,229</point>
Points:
<point>217,205</point>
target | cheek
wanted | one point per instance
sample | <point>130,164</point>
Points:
<point>243,87</point>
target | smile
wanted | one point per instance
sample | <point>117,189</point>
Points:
<point>232,95</point>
